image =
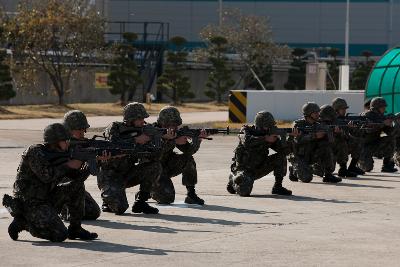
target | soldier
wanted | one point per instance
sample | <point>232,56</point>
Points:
<point>41,190</point>
<point>174,164</point>
<point>76,122</point>
<point>310,148</point>
<point>354,138</point>
<point>328,116</point>
<point>375,144</point>
<point>252,160</point>
<point>118,174</point>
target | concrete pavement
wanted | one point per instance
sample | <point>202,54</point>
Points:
<point>355,223</point>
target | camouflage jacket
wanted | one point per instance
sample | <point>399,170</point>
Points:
<point>376,117</point>
<point>252,151</point>
<point>168,146</point>
<point>36,176</point>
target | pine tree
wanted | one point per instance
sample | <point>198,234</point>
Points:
<point>172,82</point>
<point>297,72</point>
<point>6,87</point>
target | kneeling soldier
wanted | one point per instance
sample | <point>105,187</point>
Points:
<point>41,190</point>
<point>252,160</point>
<point>174,164</point>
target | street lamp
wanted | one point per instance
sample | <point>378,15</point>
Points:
<point>220,12</point>
<point>344,70</point>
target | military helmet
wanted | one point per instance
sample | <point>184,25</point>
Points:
<point>327,113</point>
<point>264,119</point>
<point>134,111</point>
<point>169,115</point>
<point>75,120</point>
<point>310,108</point>
<point>378,102</point>
<point>339,103</point>
<point>55,133</point>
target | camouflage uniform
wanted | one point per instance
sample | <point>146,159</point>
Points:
<point>396,133</point>
<point>118,174</point>
<point>76,120</point>
<point>42,189</point>
<point>252,160</point>
<point>174,164</point>
<point>353,142</point>
<point>308,150</point>
<point>375,144</point>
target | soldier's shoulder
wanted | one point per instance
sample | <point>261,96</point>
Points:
<point>33,150</point>
<point>299,122</point>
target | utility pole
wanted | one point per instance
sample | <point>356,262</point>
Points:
<point>220,12</point>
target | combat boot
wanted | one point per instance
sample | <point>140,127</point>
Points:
<point>278,189</point>
<point>105,207</point>
<point>192,197</point>
<point>388,166</point>
<point>344,172</point>
<point>353,167</point>
<point>141,206</point>
<point>17,225</point>
<point>77,232</point>
<point>292,176</point>
<point>229,186</point>
<point>330,178</point>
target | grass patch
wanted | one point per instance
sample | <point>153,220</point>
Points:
<point>95,109</point>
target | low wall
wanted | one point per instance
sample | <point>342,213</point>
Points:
<point>285,105</point>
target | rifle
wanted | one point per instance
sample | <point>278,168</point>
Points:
<point>89,154</point>
<point>156,133</point>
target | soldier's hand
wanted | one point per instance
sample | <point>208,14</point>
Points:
<point>170,135</point>
<point>271,138</point>
<point>104,157</point>
<point>142,139</point>
<point>320,135</point>
<point>295,132</point>
<point>181,140</point>
<point>388,122</point>
<point>74,164</point>
<point>203,134</point>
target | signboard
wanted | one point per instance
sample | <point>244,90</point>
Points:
<point>101,80</point>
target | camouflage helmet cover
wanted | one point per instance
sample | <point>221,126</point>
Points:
<point>55,133</point>
<point>169,115</point>
<point>327,113</point>
<point>75,120</point>
<point>264,119</point>
<point>310,108</point>
<point>134,111</point>
<point>339,103</point>
<point>378,102</point>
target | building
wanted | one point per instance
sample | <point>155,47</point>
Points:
<point>298,23</point>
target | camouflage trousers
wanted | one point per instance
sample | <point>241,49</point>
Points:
<point>41,217</point>
<point>113,183</point>
<point>91,210</point>
<point>381,147</point>
<point>320,157</point>
<point>343,147</point>
<point>176,164</point>
<point>243,179</point>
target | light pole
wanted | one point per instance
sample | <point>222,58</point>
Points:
<point>344,70</point>
<point>220,12</point>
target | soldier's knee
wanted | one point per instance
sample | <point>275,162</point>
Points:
<point>117,206</point>
<point>305,176</point>
<point>92,214</point>
<point>244,190</point>
<point>166,199</point>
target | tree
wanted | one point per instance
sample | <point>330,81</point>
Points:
<point>124,75</point>
<point>361,73</point>
<point>173,83</point>
<point>219,79</point>
<point>251,38</point>
<point>56,37</point>
<point>297,72</point>
<point>6,87</point>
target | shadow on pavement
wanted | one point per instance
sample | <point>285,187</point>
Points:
<point>227,209</point>
<point>373,179</point>
<point>357,185</point>
<point>305,198</point>
<point>103,246</point>
<point>146,228</point>
<point>188,219</point>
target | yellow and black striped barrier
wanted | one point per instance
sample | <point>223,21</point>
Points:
<point>237,106</point>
